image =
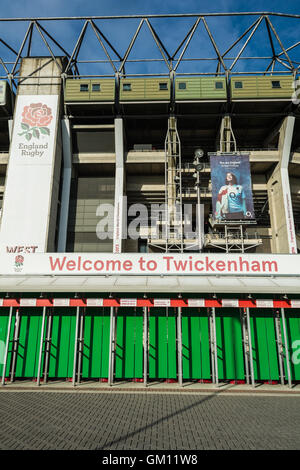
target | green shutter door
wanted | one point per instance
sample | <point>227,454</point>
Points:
<point>96,343</point>
<point>162,344</point>
<point>29,342</point>
<point>129,343</point>
<point>265,359</point>
<point>62,343</point>
<point>293,337</point>
<point>195,344</point>
<point>229,344</point>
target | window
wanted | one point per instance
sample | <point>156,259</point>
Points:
<point>96,87</point>
<point>84,87</point>
<point>126,86</point>
<point>276,84</point>
<point>182,86</point>
<point>238,84</point>
<point>219,85</point>
<point>163,86</point>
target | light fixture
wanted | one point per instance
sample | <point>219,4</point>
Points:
<point>199,166</point>
<point>198,153</point>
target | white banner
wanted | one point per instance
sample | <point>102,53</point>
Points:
<point>149,264</point>
<point>28,188</point>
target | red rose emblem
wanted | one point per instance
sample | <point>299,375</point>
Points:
<point>37,115</point>
<point>19,259</point>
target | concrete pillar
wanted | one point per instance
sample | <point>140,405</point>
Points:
<point>227,141</point>
<point>33,174</point>
<point>66,185</point>
<point>119,210</point>
<point>279,195</point>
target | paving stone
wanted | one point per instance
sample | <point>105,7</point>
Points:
<point>52,420</point>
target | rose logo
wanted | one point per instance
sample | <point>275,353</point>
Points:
<point>35,119</point>
<point>19,260</point>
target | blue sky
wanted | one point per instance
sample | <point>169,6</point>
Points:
<point>171,31</point>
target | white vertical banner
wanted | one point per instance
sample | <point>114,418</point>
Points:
<point>288,209</point>
<point>28,188</point>
<point>119,214</point>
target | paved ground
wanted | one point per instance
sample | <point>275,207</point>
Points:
<point>150,421</point>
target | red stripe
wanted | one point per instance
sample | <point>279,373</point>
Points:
<point>243,303</point>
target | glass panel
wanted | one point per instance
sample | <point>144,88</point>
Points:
<point>84,87</point>
<point>163,86</point>
<point>238,84</point>
<point>219,85</point>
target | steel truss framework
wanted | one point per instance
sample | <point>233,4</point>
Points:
<point>225,62</point>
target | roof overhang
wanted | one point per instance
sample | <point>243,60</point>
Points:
<point>162,284</point>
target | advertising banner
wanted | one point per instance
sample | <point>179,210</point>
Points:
<point>149,264</point>
<point>231,188</point>
<point>29,180</point>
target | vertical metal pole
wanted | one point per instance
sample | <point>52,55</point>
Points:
<point>250,347</point>
<point>75,345</point>
<point>110,359</point>
<point>211,347</point>
<point>215,346</point>
<point>246,345</point>
<point>286,345</point>
<point>41,347</point>
<point>80,350</point>
<point>145,346</point>
<point>7,344</point>
<point>279,347</point>
<point>15,345</point>
<point>179,345</point>
<point>47,347</point>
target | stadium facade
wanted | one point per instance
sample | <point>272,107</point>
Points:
<point>150,221</point>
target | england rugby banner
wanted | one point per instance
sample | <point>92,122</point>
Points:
<point>148,264</point>
<point>30,174</point>
<point>231,188</point>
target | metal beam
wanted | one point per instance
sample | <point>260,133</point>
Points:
<point>179,345</point>
<point>76,345</point>
<point>77,46</point>
<point>7,344</point>
<point>187,43</point>
<point>281,45</point>
<point>245,44</point>
<point>215,346</point>
<point>286,347</point>
<point>41,346</point>
<point>130,46</point>
<point>15,345</point>
<point>111,352</point>
<point>250,347</point>
<point>47,345</point>
<point>145,341</point>
<point>98,33</point>
<point>80,348</point>
<point>166,15</point>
